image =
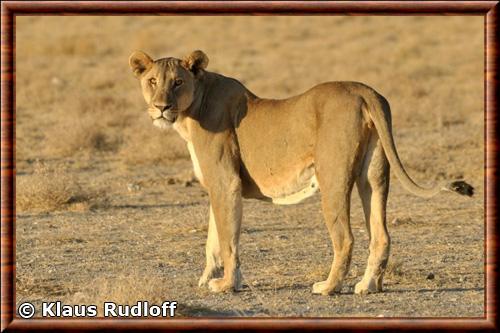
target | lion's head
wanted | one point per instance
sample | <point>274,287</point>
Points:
<point>168,84</point>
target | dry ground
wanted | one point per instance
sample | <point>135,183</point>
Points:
<point>107,208</point>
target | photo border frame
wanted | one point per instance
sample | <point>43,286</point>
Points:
<point>11,9</point>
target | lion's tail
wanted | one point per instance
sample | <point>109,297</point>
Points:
<point>379,111</point>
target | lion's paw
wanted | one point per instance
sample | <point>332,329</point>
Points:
<point>326,288</point>
<point>219,285</point>
<point>209,273</point>
<point>366,287</point>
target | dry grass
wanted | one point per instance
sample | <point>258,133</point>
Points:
<point>93,125</point>
<point>84,135</point>
<point>48,190</point>
<point>127,288</point>
<point>146,146</point>
<point>133,287</point>
<point>394,269</point>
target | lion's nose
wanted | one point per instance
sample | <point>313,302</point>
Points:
<point>163,107</point>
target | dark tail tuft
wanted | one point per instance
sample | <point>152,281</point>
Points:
<point>462,188</point>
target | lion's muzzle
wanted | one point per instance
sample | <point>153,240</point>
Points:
<point>170,115</point>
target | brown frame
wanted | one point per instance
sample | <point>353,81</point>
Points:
<point>488,9</point>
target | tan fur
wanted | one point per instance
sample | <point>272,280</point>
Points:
<point>332,136</point>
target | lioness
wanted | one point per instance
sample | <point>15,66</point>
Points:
<point>332,136</point>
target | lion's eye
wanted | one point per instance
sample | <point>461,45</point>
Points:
<point>152,81</point>
<point>178,82</point>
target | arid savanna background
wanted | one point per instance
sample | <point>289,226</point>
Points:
<point>108,208</point>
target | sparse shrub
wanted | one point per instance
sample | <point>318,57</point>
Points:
<point>82,134</point>
<point>94,124</point>
<point>50,190</point>
<point>125,289</point>
<point>148,145</point>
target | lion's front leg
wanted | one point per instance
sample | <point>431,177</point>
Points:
<point>225,199</point>
<point>214,260</point>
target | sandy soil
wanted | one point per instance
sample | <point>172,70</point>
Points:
<point>108,209</point>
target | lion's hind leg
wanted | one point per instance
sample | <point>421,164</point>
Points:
<point>335,174</point>
<point>336,214</point>
<point>373,188</point>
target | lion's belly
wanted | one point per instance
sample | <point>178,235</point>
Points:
<point>290,188</point>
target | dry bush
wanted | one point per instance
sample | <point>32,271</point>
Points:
<point>49,190</point>
<point>81,135</point>
<point>96,125</point>
<point>148,145</point>
<point>124,289</point>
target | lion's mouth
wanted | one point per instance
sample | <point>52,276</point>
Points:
<point>170,116</point>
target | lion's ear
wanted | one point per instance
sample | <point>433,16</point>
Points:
<point>196,61</point>
<point>140,62</point>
